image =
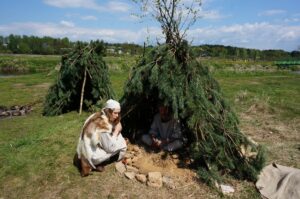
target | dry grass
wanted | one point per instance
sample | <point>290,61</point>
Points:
<point>281,138</point>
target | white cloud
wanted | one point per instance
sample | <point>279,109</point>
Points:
<point>112,6</point>
<point>249,35</point>
<point>72,3</point>
<point>255,35</point>
<point>134,17</point>
<point>199,8</point>
<point>117,6</point>
<point>89,17</point>
<point>288,20</point>
<point>210,14</point>
<point>203,2</point>
<point>271,12</point>
<point>67,24</point>
<point>185,14</point>
<point>131,18</point>
<point>67,29</point>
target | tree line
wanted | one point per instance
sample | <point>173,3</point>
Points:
<point>234,53</point>
<point>17,44</point>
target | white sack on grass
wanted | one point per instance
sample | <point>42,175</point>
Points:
<point>276,182</point>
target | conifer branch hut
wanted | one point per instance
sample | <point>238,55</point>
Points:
<point>83,80</point>
<point>171,74</point>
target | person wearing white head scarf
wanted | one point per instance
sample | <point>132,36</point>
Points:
<point>112,104</point>
<point>101,137</point>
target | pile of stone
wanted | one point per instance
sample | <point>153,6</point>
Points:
<point>14,111</point>
<point>128,169</point>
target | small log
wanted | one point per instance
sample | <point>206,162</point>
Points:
<point>82,92</point>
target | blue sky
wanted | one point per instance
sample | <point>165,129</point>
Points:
<point>260,24</point>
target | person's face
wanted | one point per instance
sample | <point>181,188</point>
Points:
<point>115,114</point>
<point>164,113</point>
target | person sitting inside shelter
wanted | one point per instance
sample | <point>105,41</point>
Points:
<point>165,132</point>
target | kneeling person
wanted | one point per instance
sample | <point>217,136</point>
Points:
<point>101,138</point>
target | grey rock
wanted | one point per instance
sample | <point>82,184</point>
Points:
<point>130,168</point>
<point>130,175</point>
<point>141,178</point>
<point>154,179</point>
<point>168,182</point>
<point>120,167</point>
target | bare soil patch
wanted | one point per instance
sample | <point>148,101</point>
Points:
<point>169,164</point>
<point>43,85</point>
<point>19,85</point>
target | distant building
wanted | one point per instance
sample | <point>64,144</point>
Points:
<point>110,50</point>
<point>120,51</point>
<point>114,50</point>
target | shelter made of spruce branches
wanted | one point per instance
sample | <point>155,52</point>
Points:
<point>83,80</point>
<point>174,77</point>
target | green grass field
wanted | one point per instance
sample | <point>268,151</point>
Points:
<point>22,64</point>
<point>36,152</point>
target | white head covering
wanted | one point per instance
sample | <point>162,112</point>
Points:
<point>112,104</point>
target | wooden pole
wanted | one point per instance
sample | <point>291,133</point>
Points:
<point>82,91</point>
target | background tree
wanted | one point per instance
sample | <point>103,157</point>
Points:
<point>170,74</point>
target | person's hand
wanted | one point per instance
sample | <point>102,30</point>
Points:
<point>156,142</point>
<point>164,142</point>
